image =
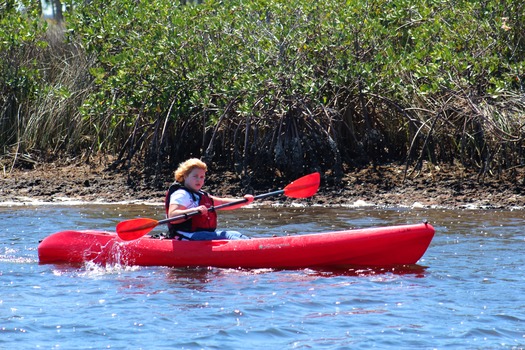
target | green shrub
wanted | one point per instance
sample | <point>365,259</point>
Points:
<point>19,74</point>
<point>296,86</point>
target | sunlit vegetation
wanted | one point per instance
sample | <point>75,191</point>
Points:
<point>265,87</point>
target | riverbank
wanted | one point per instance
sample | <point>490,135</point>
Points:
<point>432,186</point>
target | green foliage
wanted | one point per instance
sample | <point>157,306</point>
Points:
<point>296,85</point>
<point>18,71</point>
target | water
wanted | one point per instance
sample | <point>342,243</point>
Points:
<point>467,292</point>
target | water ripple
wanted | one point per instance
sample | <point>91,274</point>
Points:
<point>466,292</point>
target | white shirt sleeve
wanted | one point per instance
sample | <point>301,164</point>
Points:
<point>184,198</point>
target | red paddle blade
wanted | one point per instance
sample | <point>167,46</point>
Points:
<point>303,187</point>
<point>133,229</point>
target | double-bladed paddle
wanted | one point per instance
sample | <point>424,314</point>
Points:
<point>303,187</point>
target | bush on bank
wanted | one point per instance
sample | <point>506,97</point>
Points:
<point>261,86</point>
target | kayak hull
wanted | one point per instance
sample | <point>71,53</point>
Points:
<point>381,246</point>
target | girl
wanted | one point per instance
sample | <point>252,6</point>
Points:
<point>185,196</point>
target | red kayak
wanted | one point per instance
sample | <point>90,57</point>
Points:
<point>381,246</point>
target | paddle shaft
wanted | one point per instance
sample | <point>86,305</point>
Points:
<point>225,205</point>
<point>303,187</point>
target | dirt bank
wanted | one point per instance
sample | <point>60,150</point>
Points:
<point>433,186</point>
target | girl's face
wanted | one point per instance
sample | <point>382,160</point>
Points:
<point>195,179</point>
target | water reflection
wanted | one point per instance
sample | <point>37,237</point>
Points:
<point>415,270</point>
<point>196,278</point>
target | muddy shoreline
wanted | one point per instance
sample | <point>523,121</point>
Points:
<point>387,186</point>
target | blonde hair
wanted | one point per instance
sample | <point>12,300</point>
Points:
<point>186,167</point>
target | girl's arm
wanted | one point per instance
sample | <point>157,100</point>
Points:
<point>177,209</point>
<point>248,198</point>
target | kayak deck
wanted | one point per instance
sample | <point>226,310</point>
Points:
<point>380,246</point>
